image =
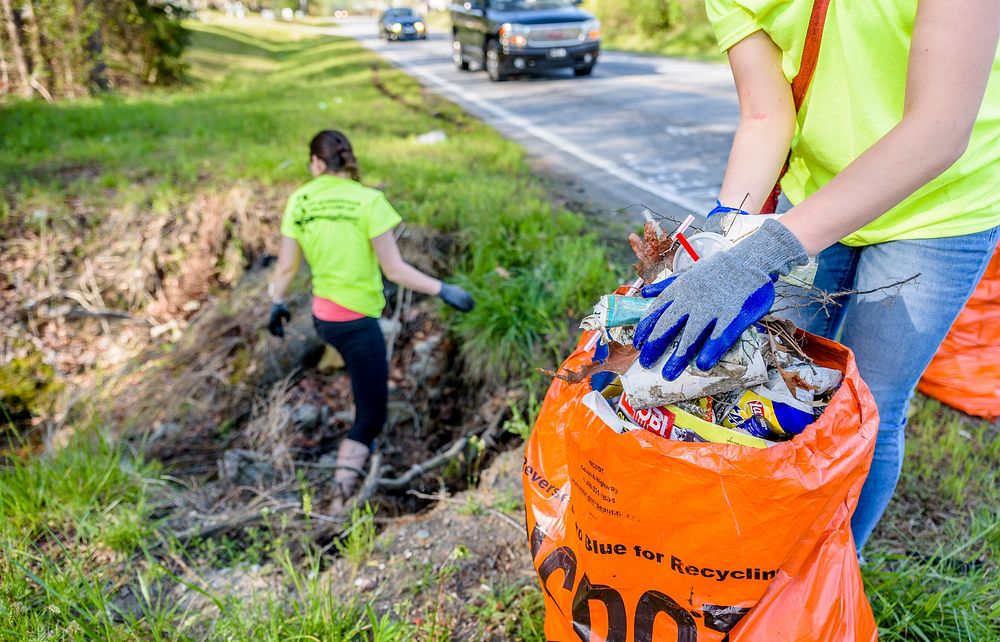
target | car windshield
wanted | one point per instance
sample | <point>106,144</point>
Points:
<point>530,5</point>
<point>400,13</point>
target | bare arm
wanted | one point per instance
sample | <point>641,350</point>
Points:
<point>399,271</point>
<point>951,55</point>
<point>289,257</point>
<point>766,126</point>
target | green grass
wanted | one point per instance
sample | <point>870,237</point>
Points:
<point>69,520</point>
<point>932,562</point>
<point>77,524</point>
<point>696,42</point>
<point>688,34</point>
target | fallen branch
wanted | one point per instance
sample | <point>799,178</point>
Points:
<point>81,313</point>
<point>811,295</point>
<point>238,521</point>
<point>416,470</point>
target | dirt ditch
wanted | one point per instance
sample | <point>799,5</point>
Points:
<point>278,444</point>
<point>153,326</point>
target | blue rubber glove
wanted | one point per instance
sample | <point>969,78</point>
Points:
<point>713,222</point>
<point>708,307</point>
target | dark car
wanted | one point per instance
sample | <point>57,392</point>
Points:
<point>519,36</point>
<point>402,23</point>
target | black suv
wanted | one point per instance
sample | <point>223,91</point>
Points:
<point>519,36</point>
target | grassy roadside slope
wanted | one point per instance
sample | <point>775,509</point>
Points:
<point>76,523</point>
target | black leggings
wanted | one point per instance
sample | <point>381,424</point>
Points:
<point>362,345</point>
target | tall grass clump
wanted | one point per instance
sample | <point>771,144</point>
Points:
<point>950,594</point>
<point>69,521</point>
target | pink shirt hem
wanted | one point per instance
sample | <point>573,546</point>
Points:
<point>327,310</point>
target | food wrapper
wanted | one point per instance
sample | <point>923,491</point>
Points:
<point>741,368</point>
<point>659,421</point>
<point>598,405</point>
<point>782,415</point>
<point>671,422</point>
<point>615,311</point>
<point>823,380</point>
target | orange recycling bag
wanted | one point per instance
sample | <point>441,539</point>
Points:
<point>636,538</point>
<point>965,372</point>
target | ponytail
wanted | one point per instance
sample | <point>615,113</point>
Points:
<point>333,148</point>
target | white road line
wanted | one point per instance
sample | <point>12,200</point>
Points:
<point>503,115</point>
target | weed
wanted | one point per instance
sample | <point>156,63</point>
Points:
<point>357,542</point>
<point>471,507</point>
<point>508,502</point>
<point>523,416</point>
<point>509,612</point>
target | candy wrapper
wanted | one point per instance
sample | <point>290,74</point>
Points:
<point>671,422</point>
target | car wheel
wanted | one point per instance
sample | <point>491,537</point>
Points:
<point>583,71</point>
<point>493,67</point>
<point>457,57</point>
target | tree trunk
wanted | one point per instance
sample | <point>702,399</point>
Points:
<point>39,72</point>
<point>98,79</point>
<point>66,77</point>
<point>20,65</point>
<point>4,76</point>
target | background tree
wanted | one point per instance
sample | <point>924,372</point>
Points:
<point>20,84</point>
<point>65,48</point>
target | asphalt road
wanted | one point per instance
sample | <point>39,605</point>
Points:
<point>642,131</point>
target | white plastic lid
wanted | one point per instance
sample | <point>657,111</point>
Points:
<point>705,244</point>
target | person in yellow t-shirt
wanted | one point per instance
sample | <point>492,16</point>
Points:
<point>345,232</point>
<point>892,178</point>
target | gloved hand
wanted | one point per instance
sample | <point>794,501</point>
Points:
<point>279,315</point>
<point>456,297</point>
<point>709,306</point>
<point>713,222</point>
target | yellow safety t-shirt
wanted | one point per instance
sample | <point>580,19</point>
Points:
<point>334,220</point>
<point>856,97</point>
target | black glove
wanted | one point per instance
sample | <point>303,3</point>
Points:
<point>279,314</point>
<point>456,297</point>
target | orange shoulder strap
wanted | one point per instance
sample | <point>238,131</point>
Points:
<point>810,51</point>
<point>810,54</point>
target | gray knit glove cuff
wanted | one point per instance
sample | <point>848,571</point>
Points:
<point>773,249</point>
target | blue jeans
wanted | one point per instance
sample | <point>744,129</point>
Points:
<point>893,332</point>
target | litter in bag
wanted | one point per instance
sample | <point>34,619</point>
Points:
<point>638,538</point>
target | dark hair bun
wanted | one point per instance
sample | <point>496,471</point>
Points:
<point>333,148</point>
